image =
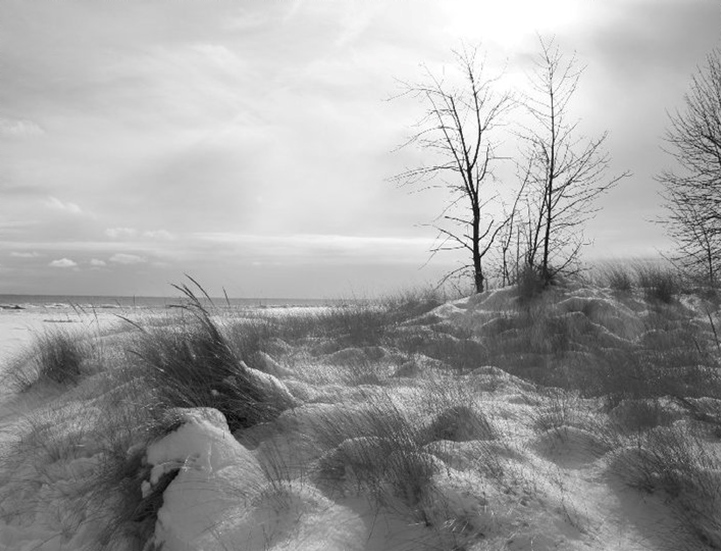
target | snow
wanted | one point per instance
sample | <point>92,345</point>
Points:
<point>221,496</point>
<point>374,450</point>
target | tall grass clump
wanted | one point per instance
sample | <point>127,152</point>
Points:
<point>618,278</point>
<point>360,324</point>
<point>55,356</point>
<point>249,338</point>
<point>363,322</point>
<point>529,284</point>
<point>414,303</point>
<point>193,364</point>
<point>659,283</point>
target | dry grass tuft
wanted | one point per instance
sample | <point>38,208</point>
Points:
<point>195,365</point>
<point>674,461</point>
<point>659,283</point>
<point>55,357</point>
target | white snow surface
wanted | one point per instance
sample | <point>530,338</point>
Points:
<point>313,479</point>
<point>220,496</point>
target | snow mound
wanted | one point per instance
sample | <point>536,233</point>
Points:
<point>459,423</point>
<point>220,495</point>
<point>212,473</point>
<point>286,516</point>
<point>484,455</point>
<point>569,446</point>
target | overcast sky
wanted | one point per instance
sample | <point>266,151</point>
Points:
<point>249,144</point>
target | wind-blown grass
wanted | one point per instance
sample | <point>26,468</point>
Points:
<point>676,462</point>
<point>55,357</point>
<point>389,408</point>
<point>194,364</point>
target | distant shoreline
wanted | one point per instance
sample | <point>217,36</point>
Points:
<point>22,317</point>
<point>95,302</point>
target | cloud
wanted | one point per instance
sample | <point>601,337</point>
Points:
<point>63,263</point>
<point>57,204</point>
<point>131,233</point>
<point>163,235</point>
<point>24,254</point>
<point>127,259</point>
<point>329,248</point>
<point>220,56</point>
<point>95,263</point>
<point>116,233</point>
<point>330,240</point>
<point>355,20</point>
<point>19,128</point>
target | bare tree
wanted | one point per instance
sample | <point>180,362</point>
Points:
<point>564,171</point>
<point>510,230</point>
<point>692,191</point>
<point>697,236</point>
<point>456,130</point>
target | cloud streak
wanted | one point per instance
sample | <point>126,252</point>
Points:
<point>127,259</point>
<point>67,207</point>
<point>19,128</point>
<point>63,263</point>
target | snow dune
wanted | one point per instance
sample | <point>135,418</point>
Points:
<point>587,420</point>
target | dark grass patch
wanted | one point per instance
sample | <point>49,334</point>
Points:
<point>195,364</point>
<point>55,356</point>
<point>368,323</point>
<point>618,276</point>
<point>530,285</point>
<point>620,280</point>
<point>357,325</point>
<point>659,283</point>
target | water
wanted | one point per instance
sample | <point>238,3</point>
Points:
<point>100,303</point>
<point>22,317</point>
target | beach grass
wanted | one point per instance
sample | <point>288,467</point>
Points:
<point>415,408</point>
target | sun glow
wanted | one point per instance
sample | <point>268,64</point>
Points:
<point>511,23</point>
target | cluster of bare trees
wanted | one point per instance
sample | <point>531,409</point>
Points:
<point>561,173</point>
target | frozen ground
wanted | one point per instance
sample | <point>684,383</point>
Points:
<point>581,423</point>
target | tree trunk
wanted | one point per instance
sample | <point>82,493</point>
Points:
<point>477,269</point>
<point>545,270</point>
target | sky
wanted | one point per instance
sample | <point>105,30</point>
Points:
<point>251,144</point>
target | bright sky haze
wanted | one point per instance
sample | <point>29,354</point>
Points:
<point>249,144</point>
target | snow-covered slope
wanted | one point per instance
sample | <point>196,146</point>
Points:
<point>586,419</point>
